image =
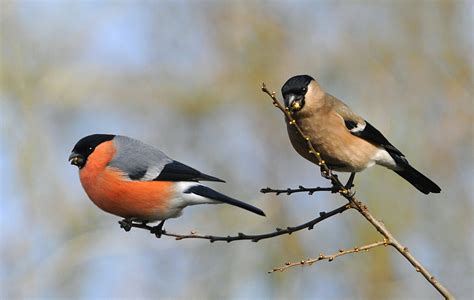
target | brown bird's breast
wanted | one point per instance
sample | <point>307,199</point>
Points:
<point>329,136</point>
<point>115,193</point>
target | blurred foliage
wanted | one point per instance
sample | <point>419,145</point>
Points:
<point>186,76</point>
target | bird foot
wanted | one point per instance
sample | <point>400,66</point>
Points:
<point>158,229</point>
<point>345,189</point>
<point>347,192</point>
<point>325,174</point>
<point>126,224</point>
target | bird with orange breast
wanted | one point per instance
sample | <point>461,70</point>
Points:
<point>138,182</point>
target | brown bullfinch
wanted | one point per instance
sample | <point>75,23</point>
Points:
<point>346,141</point>
<point>138,182</point>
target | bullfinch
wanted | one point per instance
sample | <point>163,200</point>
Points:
<point>346,141</point>
<point>138,182</point>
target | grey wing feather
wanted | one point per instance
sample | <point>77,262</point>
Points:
<point>137,159</point>
<point>143,162</point>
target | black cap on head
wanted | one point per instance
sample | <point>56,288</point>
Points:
<point>295,84</point>
<point>86,146</point>
<point>294,91</point>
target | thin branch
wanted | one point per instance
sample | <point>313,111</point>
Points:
<point>362,209</point>
<point>300,189</point>
<point>128,225</point>
<point>325,171</point>
<point>354,202</point>
<point>331,257</point>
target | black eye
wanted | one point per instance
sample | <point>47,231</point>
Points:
<point>304,90</point>
<point>90,148</point>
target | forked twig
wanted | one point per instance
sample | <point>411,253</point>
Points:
<point>127,225</point>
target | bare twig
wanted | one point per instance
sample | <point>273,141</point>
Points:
<point>325,171</point>
<point>331,257</point>
<point>300,189</point>
<point>361,208</point>
<point>127,225</point>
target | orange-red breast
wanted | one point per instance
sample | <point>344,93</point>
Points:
<point>138,182</point>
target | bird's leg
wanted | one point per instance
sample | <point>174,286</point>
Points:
<point>349,183</point>
<point>158,229</point>
<point>347,187</point>
<point>126,224</point>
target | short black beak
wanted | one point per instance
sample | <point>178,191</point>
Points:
<point>289,99</point>
<point>294,102</point>
<point>76,159</point>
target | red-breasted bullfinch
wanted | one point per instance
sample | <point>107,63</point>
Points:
<point>346,141</point>
<point>138,182</point>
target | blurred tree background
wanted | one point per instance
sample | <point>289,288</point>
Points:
<point>186,76</point>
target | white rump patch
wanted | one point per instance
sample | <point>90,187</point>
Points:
<point>383,158</point>
<point>190,198</point>
<point>180,200</point>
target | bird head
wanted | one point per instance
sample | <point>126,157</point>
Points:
<point>85,147</point>
<point>294,91</point>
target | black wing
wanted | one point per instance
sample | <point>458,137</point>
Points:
<point>371,134</point>
<point>206,192</point>
<point>176,171</point>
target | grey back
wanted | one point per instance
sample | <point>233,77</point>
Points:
<point>138,159</point>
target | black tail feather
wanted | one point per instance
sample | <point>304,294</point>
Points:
<point>206,192</point>
<point>418,180</point>
<point>205,177</point>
